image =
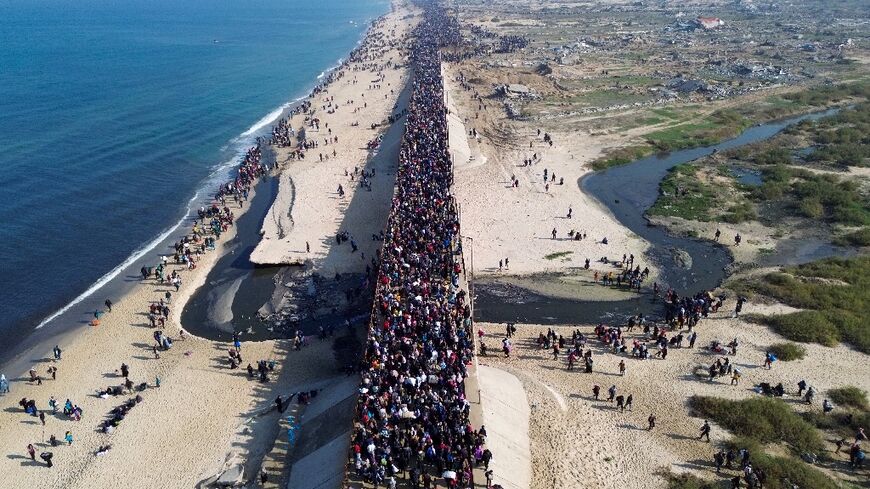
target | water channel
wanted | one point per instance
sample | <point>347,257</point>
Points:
<point>628,191</point>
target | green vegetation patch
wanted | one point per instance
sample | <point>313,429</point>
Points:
<point>816,196</point>
<point>827,94</point>
<point>849,396</point>
<point>719,125</point>
<point>621,156</point>
<point>836,294</point>
<point>784,472</point>
<point>763,419</point>
<point>727,123</point>
<point>860,237</point>
<point>557,255</point>
<point>843,139</point>
<point>843,422</point>
<point>683,194</point>
<point>788,351</point>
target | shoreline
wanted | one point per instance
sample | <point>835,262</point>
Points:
<point>194,375</point>
<point>325,284</point>
<point>115,281</point>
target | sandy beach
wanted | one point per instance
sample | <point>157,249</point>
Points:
<point>540,92</point>
<point>518,228</point>
<point>579,442</point>
<point>371,201</point>
<point>205,417</point>
<point>356,108</point>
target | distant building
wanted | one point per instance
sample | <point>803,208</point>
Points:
<point>709,22</point>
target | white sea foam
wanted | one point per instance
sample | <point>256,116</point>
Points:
<point>265,121</point>
<point>218,176</point>
<point>220,173</point>
<point>136,255</point>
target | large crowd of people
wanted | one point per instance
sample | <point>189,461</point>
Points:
<point>412,416</point>
<point>208,226</point>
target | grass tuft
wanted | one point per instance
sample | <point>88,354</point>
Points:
<point>835,293</point>
<point>784,472</point>
<point>763,419</point>
<point>849,396</point>
<point>557,255</point>
<point>788,352</point>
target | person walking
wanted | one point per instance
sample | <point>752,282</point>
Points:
<point>68,437</point>
<point>4,384</point>
<point>596,391</point>
<point>738,308</point>
<point>705,431</point>
<point>31,450</point>
<point>622,368</point>
<point>651,421</point>
<point>108,304</point>
<point>719,460</point>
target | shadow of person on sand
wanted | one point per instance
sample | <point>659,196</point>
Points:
<point>25,461</point>
<point>697,464</point>
<point>678,436</point>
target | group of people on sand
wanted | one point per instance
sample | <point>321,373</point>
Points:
<point>210,224</point>
<point>682,315</point>
<point>412,417</point>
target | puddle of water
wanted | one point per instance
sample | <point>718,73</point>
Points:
<point>235,287</point>
<point>804,250</point>
<point>804,152</point>
<point>747,177</point>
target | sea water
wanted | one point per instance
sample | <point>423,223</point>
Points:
<point>117,117</point>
